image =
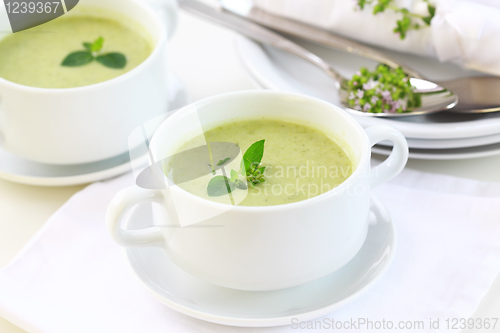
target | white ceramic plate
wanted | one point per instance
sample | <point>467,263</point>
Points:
<point>275,69</point>
<point>19,170</point>
<point>445,154</point>
<point>443,149</point>
<point>197,298</point>
<point>450,143</point>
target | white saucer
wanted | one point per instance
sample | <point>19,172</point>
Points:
<point>197,298</point>
<point>19,170</point>
<point>275,69</point>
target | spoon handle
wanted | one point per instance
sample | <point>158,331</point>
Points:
<point>258,33</point>
<point>311,33</point>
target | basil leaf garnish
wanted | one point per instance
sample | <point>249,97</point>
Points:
<point>251,170</point>
<point>97,45</point>
<point>253,155</point>
<point>220,185</point>
<point>112,60</point>
<point>91,53</point>
<point>78,58</point>
<point>88,46</point>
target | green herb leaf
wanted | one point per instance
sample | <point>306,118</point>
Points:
<point>432,12</point>
<point>362,3</point>
<point>378,9</point>
<point>234,176</point>
<point>253,155</point>
<point>431,9</point>
<point>402,27</point>
<point>113,60</point>
<point>97,45</point>
<point>88,46</point>
<point>251,159</point>
<point>243,170</point>
<point>241,184</point>
<point>221,162</point>
<point>220,185</point>
<point>78,58</point>
<point>406,23</point>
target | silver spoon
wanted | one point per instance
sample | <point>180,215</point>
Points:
<point>477,94</point>
<point>435,98</point>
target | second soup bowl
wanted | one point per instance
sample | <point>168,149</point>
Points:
<point>262,248</point>
<point>93,122</point>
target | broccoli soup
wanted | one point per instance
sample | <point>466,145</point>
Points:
<point>74,51</point>
<point>283,162</point>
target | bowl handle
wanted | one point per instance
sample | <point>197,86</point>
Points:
<point>121,203</point>
<point>396,162</point>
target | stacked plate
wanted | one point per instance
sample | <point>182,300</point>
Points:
<point>439,136</point>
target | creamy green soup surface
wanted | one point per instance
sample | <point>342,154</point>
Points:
<point>301,161</point>
<point>33,57</point>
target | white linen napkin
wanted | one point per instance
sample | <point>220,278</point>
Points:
<point>71,277</point>
<point>466,32</point>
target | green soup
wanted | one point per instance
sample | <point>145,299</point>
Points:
<point>301,162</point>
<point>33,57</point>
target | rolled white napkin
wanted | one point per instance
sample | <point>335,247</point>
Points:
<point>465,32</point>
<point>71,277</point>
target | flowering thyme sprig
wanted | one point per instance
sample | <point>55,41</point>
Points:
<point>385,90</point>
<point>407,22</point>
<point>255,174</point>
<point>251,169</point>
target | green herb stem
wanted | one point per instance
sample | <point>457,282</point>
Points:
<point>406,23</point>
